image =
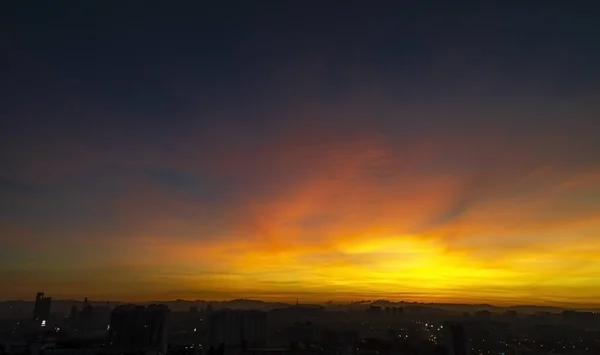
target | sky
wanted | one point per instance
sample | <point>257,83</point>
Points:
<point>275,150</point>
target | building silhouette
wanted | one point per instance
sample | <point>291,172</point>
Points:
<point>237,329</point>
<point>74,317</point>
<point>41,308</point>
<point>457,340</point>
<point>86,316</point>
<point>139,328</point>
<point>374,311</point>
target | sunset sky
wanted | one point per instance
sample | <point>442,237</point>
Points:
<point>346,152</point>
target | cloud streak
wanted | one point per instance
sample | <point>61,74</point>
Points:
<point>357,197</point>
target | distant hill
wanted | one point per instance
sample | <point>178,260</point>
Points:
<point>20,308</point>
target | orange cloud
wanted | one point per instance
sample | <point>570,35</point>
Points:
<point>359,218</point>
<point>343,213</point>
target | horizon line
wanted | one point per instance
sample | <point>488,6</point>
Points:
<point>573,307</point>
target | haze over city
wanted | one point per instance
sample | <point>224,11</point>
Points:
<point>327,152</point>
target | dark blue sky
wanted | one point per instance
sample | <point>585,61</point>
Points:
<point>156,63</point>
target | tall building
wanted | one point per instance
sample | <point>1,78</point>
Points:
<point>86,316</point>
<point>457,340</point>
<point>237,329</point>
<point>41,308</point>
<point>139,328</point>
<point>74,317</point>
<point>374,311</point>
<point>302,334</point>
<point>158,326</point>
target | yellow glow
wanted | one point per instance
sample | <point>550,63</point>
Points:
<point>342,233</point>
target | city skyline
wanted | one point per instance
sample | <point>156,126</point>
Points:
<point>209,153</point>
<point>82,309</point>
<point>274,302</point>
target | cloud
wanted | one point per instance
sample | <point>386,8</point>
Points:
<point>356,199</point>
